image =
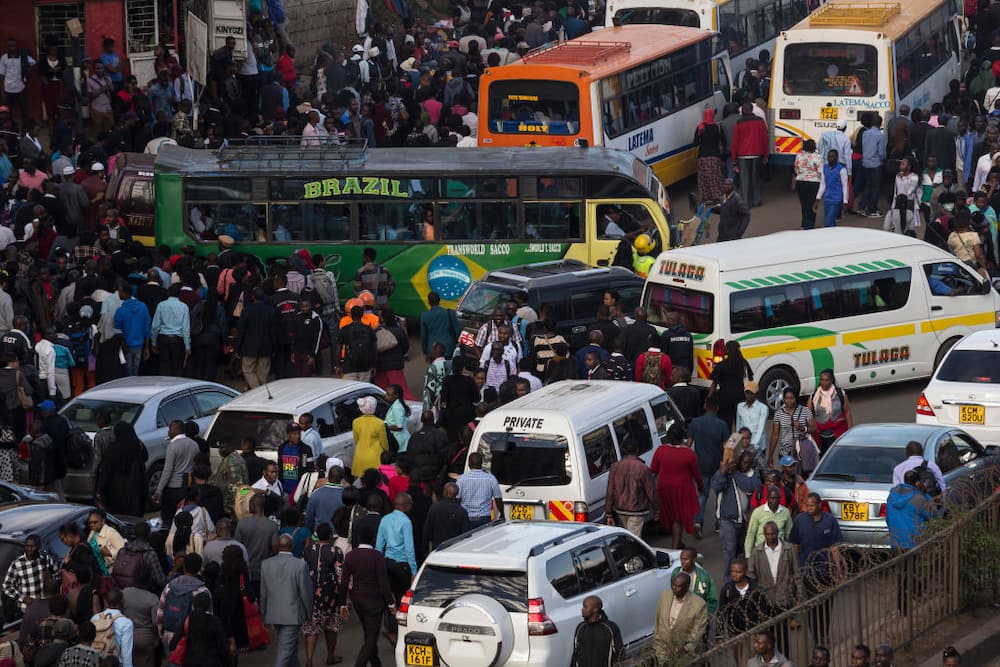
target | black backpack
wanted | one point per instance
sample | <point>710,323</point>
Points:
<point>79,448</point>
<point>928,479</point>
<point>358,343</point>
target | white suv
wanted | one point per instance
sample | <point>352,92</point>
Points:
<point>511,594</point>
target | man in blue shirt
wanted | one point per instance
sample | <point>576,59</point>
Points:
<point>132,319</point>
<point>170,333</point>
<point>326,500</point>
<point>709,433</point>
<point>395,540</point>
<point>438,325</point>
<point>814,537</point>
<point>872,158</point>
<point>907,510</point>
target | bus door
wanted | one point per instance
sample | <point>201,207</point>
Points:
<point>722,75</point>
<point>608,220</point>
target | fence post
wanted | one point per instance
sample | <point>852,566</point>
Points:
<point>955,538</point>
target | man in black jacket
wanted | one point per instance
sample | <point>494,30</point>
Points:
<point>597,641</point>
<point>306,336</point>
<point>255,339</point>
<point>428,450</point>
<point>445,519</point>
<point>677,342</point>
<point>635,336</point>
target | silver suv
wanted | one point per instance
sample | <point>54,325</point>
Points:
<point>511,593</point>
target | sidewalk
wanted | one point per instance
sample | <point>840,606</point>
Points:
<point>975,633</point>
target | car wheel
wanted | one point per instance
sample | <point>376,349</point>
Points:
<point>773,385</point>
<point>152,481</point>
<point>942,351</point>
<point>475,631</point>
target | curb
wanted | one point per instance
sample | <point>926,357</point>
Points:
<point>977,647</point>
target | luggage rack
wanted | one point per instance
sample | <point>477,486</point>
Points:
<point>577,52</point>
<point>854,12</point>
<point>285,153</point>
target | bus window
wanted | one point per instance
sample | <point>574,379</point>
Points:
<point>310,222</point>
<point>835,70</point>
<point>217,189</point>
<point>244,222</point>
<point>729,26</point>
<point>553,188</point>
<point>697,309</point>
<point>552,220</point>
<point>378,221</point>
<point>534,107</point>
<point>477,220</point>
<point>659,15</point>
<point>922,51</point>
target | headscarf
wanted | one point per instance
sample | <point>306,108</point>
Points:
<point>367,405</point>
<point>707,119</point>
<point>126,442</point>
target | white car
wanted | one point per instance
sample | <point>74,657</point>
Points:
<point>965,389</point>
<point>264,413</point>
<point>511,593</point>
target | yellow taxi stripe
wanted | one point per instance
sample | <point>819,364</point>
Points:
<point>878,334</point>
<point>958,320</point>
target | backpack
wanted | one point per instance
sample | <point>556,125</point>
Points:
<point>652,371</point>
<point>105,643</point>
<point>928,479</point>
<point>79,344</point>
<point>126,568</point>
<point>358,345</point>
<point>506,365</point>
<point>197,323</point>
<point>177,607</point>
<point>79,448</point>
<point>322,282</point>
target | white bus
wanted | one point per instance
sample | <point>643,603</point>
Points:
<point>747,26</point>
<point>870,305</point>
<point>850,57</point>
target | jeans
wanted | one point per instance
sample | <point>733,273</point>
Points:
<point>288,646</point>
<point>873,184</point>
<point>731,535</point>
<point>750,180</point>
<point>807,195</point>
<point>370,614</point>
<point>133,357</point>
<point>831,211</point>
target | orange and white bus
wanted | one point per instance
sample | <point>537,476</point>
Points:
<point>637,88</point>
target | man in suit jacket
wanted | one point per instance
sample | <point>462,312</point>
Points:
<point>286,599</point>
<point>782,583</point>
<point>681,622</point>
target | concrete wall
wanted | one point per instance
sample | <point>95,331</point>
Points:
<point>313,22</point>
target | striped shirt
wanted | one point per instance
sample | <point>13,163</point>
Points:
<point>786,430</point>
<point>477,489</point>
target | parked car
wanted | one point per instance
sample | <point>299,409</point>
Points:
<point>264,413</point>
<point>149,403</point>
<point>854,477</point>
<point>574,289</point>
<point>510,593</point>
<point>44,519</point>
<point>11,493</point>
<point>965,389</point>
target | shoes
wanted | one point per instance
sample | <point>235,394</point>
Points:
<point>862,212</point>
<point>697,531</point>
<point>875,214</point>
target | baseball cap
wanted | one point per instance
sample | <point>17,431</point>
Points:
<point>47,405</point>
<point>333,461</point>
<point>357,48</point>
<point>787,461</point>
<point>97,166</point>
<point>68,170</point>
<point>226,241</point>
<point>842,124</point>
<point>86,311</point>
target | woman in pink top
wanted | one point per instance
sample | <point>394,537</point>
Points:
<point>29,177</point>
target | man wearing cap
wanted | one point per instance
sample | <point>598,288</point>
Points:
<point>94,186</point>
<point>294,459</point>
<point>794,486</point>
<point>753,414</point>
<point>75,202</point>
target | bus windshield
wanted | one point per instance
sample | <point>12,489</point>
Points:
<point>834,70</point>
<point>662,15</point>
<point>534,107</point>
<point>695,308</point>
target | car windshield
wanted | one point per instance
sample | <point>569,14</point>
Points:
<point>658,15</point>
<point>534,459</point>
<point>696,308</point>
<point>482,299</point>
<point>440,586</point>
<point>975,366</point>
<point>266,428</point>
<point>83,411</point>
<point>860,464</point>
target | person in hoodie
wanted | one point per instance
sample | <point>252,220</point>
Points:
<point>597,641</point>
<point>907,510</point>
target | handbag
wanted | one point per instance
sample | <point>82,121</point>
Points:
<point>180,648</point>
<point>256,632</point>
<point>808,454</point>
<point>385,340</point>
<point>23,399</point>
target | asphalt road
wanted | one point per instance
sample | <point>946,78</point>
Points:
<point>780,211</point>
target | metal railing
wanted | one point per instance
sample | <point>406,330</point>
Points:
<point>882,599</point>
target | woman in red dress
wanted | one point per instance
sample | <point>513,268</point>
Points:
<point>678,481</point>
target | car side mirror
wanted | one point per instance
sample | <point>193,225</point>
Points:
<point>663,559</point>
<point>992,450</point>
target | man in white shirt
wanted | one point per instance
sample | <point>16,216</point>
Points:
<point>310,435</point>
<point>6,237</point>
<point>511,350</point>
<point>525,367</point>
<point>268,483</point>
<point>15,79</point>
<point>753,415</point>
<point>46,353</point>
<point>914,459</point>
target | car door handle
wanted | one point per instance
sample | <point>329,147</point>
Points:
<point>630,592</point>
<point>937,308</point>
<point>603,262</point>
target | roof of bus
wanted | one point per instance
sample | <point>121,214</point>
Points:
<point>795,246</point>
<point>910,12</point>
<point>409,161</point>
<point>596,55</point>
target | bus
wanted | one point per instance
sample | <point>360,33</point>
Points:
<point>638,88</point>
<point>851,57</point>
<point>746,26</point>
<point>437,219</point>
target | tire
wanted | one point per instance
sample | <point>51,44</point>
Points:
<point>773,384</point>
<point>942,351</point>
<point>152,479</point>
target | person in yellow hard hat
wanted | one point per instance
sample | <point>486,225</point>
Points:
<point>642,254</point>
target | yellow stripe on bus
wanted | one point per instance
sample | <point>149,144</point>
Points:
<point>676,167</point>
<point>789,347</point>
<point>942,323</point>
<point>879,334</point>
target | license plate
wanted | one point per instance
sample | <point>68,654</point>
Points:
<point>522,511</point>
<point>828,113</point>
<point>419,656</point>
<point>854,511</point>
<point>972,414</point>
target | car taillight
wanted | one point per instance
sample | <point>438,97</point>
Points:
<point>924,406</point>
<point>718,351</point>
<point>825,506</point>
<point>881,510</point>
<point>790,114</point>
<point>404,608</point>
<point>580,511</point>
<point>538,623</point>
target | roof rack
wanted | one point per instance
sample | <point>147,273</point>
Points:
<point>539,549</point>
<point>577,52</point>
<point>854,12</point>
<point>286,153</point>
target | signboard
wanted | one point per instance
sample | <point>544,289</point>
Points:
<point>228,20</point>
<point>196,36</point>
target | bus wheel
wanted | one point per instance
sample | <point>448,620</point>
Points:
<point>774,383</point>
<point>943,350</point>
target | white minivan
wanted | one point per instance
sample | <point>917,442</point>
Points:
<point>551,449</point>
<point>873,306</point>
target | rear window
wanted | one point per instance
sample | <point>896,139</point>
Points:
<point>440,586</point>
<point>482,298</point>
<point>658,15</point>
<point>83,412</point>
<point>860,464</point>
<point>266,428</point>
<point>535,459</point>
<point>978,366</point>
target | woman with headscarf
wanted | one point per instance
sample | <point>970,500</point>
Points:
<point>398,416</point>
<point>121,477</point>
<point>227,594</point>
<point>370,438</point>
<point>110,357</point>
<point>711,142</point>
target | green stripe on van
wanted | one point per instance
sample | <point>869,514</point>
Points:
<point>816,274</point>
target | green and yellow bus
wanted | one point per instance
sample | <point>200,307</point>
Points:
<point>438,219</point>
